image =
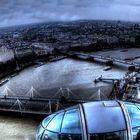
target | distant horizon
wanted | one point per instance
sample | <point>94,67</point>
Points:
<point>22,12</point>
<point>57,21</point>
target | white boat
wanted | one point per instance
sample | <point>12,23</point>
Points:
<point>107,68</point>
<point>3,81</point>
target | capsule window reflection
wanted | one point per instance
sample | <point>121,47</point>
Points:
<point>99,120</point>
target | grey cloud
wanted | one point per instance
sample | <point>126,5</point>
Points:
<point>14,12</point>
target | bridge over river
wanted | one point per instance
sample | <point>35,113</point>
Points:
<point>42,89</point>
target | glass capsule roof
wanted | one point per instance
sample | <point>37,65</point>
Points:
<point>66,121</point>
<point>134,113</point>
<point>104,118</point>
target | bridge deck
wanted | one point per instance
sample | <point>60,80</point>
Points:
<point>100,57</point>
<point>38,106</point>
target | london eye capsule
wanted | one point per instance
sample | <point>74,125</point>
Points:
<point>99,120</point>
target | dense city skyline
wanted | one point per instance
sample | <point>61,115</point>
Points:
<point>16,12</point>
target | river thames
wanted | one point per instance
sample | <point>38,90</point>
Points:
<point>47,79</point>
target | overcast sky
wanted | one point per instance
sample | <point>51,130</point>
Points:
<point>14,12</point>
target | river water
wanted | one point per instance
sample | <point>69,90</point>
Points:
<point>17,127</point>
<point>47,79</point>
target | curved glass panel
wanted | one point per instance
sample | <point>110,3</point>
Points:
<point>39,132</point>
<point>136,133</point>
<point>138,105</point>
<point>71,137</point>
<point>71,122</point>
<point>47,120</point>
<point>55,123</point>
<point>50,136</point>
<point>119,135</point>
<point>104,116</point>
<point>134,114</point>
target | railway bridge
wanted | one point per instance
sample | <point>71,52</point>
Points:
<point>106,59</point>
